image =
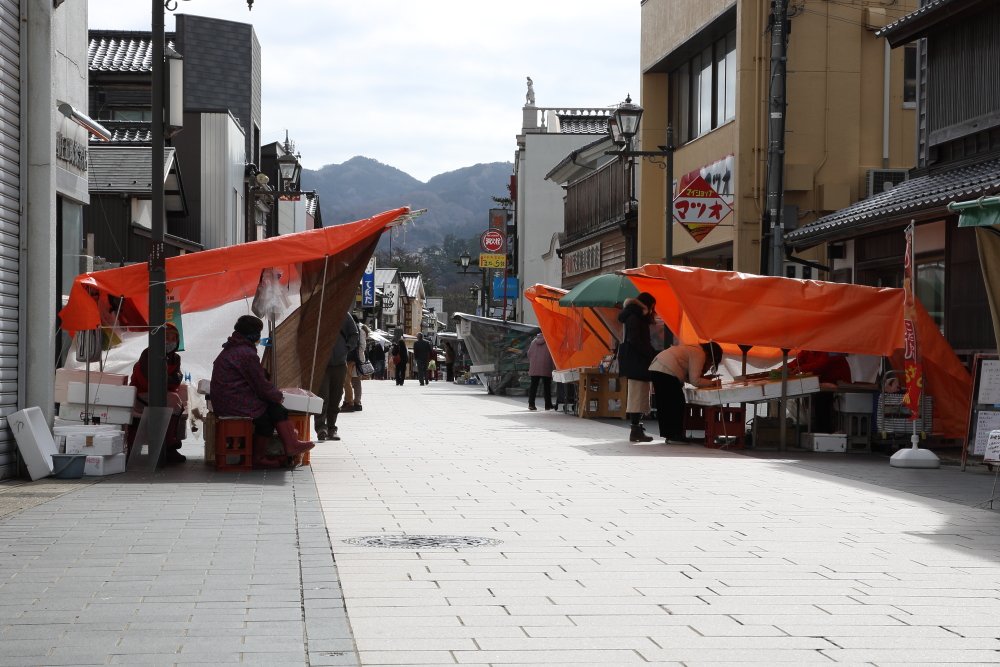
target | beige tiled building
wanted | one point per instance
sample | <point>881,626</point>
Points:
<point>705,67</point>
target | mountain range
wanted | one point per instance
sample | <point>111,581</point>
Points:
<point>457,202</point>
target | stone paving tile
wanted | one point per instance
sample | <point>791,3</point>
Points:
<point>618,554</point>
<point>185,566</point>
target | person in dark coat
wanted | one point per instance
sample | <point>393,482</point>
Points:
<point>400,352</point>
<point>240,389</point>
<point>540,367</point>
<point>174,380</point>
<point>449,362</point>
<point>635,353</point>
<point>422,352</point>
<point>331,388</point>
<point>376,355</point>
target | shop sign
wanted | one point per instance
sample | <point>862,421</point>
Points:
<point>720,177</point>
<point>493,261</point>
<point>582,260</point>
<point>390,301</point>
<point>504,291</point>
<point>173,316</point>
<point>699,208</point>
<point>71,151</point>
<point>493,241</point>
<point>498,218</point>
<point>368,285</point>
<point>914,375</point>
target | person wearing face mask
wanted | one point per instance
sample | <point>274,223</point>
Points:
<point>240,389</point>
<point>140,373</point>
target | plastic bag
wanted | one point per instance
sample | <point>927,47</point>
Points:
<point>270,301</point>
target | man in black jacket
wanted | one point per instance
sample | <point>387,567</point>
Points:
<point>422,354</point>
<point>635,354</point>
<point>331,389</point>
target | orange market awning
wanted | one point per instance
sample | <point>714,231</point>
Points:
<point>739,308</point>
<point>577,338</point>
<point>211,278</point>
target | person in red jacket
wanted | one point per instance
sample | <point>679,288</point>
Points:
<point>830,369</point>
<point>140,373</point>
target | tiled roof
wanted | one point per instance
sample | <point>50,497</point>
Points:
<point>571,124</point>
<point>123,169</point>
<point>908,18</point>
<point>917,195</point>
<point>124,132</point>
<point>121,51</point>
<point>411,281</point>
<point>383,276</point>
<point>312,203</point>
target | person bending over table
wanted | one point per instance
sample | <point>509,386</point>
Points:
<point>669,370</point>
<point>140,373</point>
<point>240,389</point>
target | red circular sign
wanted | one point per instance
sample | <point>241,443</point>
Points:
<point>492,241</point>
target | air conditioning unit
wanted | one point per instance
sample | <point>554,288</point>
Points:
<point>880,180</point>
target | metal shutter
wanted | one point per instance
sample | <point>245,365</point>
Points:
<point>10,188</point>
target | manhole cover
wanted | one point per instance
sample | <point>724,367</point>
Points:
<point>422,541</point>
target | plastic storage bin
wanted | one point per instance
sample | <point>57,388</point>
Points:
<point>68,466</point>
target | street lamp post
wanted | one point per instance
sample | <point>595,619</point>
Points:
<point>623,127</point>
<point>464,260</point>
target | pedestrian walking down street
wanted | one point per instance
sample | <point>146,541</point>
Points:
<point>669,371</point>
<point>401,359</point>
<point>352,384</point>
<point>540,370</point>
<point>331,389</point>
<point>635,353</point>
<point>449,362</point>
<point>376,355</point>
<point>422,352</point>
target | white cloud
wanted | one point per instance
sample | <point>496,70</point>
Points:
<point>425,86</point>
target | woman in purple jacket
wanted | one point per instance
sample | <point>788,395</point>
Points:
<point>539,369</point>
<point>240,389</point>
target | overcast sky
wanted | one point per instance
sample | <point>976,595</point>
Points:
<point>426,86</point>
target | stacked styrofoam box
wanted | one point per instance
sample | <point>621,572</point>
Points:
<point>112,403</point>
<point>825,442</point>
<point>302,401</point>
<point>103,444</point>
<point>98,466</point>
<point>33,441</point>
<point>66,375</point>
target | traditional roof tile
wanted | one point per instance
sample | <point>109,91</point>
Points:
<point>123,169</point>
<point>122,51</point>
<point>915,196</point>
<point>573,124</point>
<point>411,282</point>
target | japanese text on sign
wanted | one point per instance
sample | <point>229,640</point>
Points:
<point>699,208</point>
<point>582,260</point>
<point>493,261</point>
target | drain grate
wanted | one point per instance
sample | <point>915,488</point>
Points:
<point>422,541</point>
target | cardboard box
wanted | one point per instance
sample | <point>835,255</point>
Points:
<point>66,375</point>
<point>110,395</point>
<point>109,415</point>
<point>33,441</point>
<point>99,444</point>
<point>97,466</point>
<point>825,442</point>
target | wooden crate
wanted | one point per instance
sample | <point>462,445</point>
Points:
<point>602,395</point>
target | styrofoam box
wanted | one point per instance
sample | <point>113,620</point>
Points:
<point>98,444</point>
<point>299,403</point>
<point>104,465</point>
<point>108,415</point>
<point>204,386</point>
<point>825,442</point>
<point>857,402</point>
<point>110,395</point>
<point>66,375</point>
<point>33,440</point>
<point>315,405</point>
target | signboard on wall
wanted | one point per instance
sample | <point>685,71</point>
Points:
<point>720,176</point>
<point>498,218</point>
<point>390,302</point>
<point>582,260</point>
<point>499,291</point>
<point>493,241</point>
<point>699,208</point>
<point>368,285</point>
<point>493,261</point>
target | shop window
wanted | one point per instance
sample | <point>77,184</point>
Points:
<point>930,290</point>
<point>910,77</point>
<point>703,90</point>
<point>133,115</point>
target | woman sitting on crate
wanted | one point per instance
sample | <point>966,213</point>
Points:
<point>140,373</point>
<point>669,371</point>
<point>240,389</point>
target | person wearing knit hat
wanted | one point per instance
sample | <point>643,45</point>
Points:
<point>635,353</point>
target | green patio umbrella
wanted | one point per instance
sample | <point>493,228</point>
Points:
<point>607,291</point>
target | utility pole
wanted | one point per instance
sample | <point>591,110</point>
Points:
<point>157,267</point>
<point>776,138</point>
<point>669,150</point>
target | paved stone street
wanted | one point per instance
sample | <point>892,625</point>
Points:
<point>610,553</point>
<point>615,553</point>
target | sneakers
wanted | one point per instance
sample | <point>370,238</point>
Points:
<point>334,435</point>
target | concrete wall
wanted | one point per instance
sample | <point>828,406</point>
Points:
<point>834,122</point>
<point>540,210</point>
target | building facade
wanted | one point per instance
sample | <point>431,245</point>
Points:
<point>705,69</point>
<point>547,136</point>
<point>957,147</point>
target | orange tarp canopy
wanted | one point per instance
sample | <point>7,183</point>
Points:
<point>208,279</point>
<point>577,338</point>
<point>739,308</point>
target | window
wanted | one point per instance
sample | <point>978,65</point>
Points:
<point>930,290</point>
<point>703,90</point>
<point>133,115</point>
<point>910,77</point>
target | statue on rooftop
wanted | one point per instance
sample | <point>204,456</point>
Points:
<point>530,97</point>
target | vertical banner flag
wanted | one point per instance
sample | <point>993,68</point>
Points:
<point>368,285</point>
<point>912,369</point>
